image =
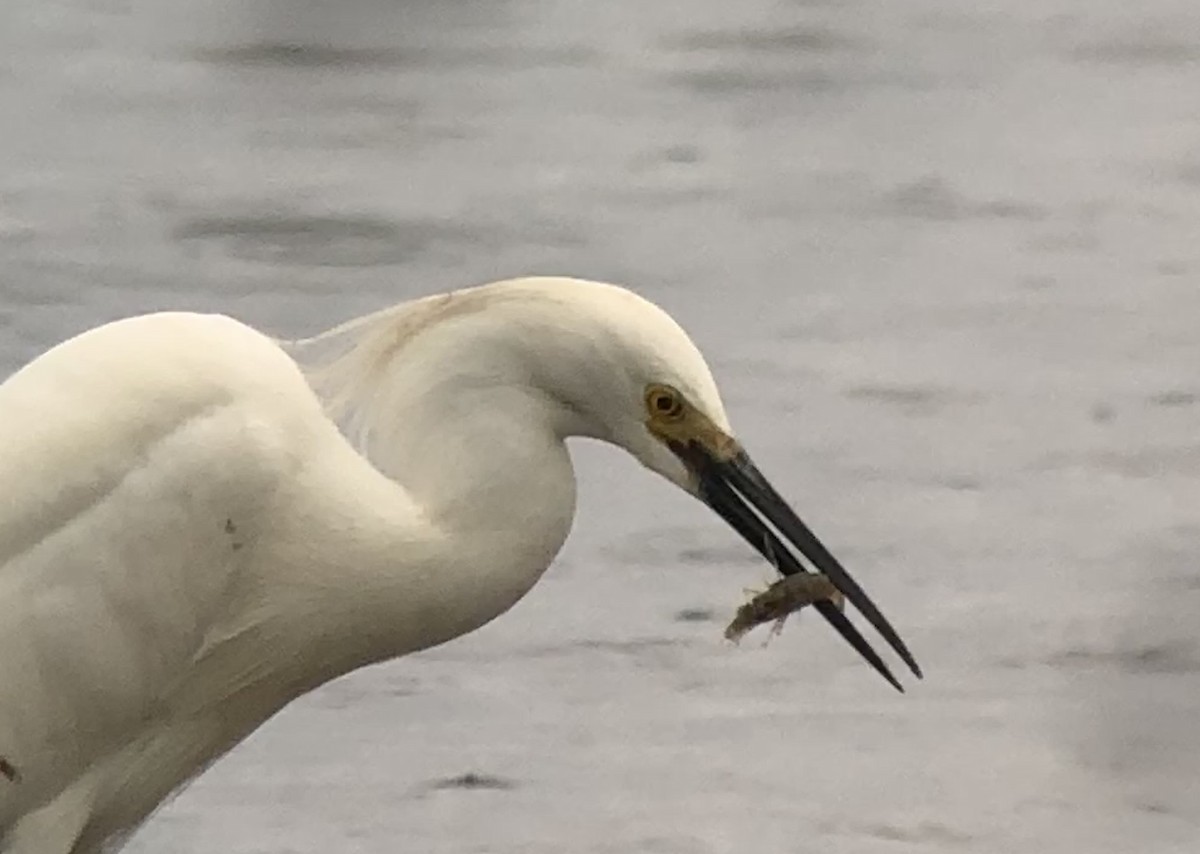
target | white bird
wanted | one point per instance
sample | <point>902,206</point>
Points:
<point>201,523</point>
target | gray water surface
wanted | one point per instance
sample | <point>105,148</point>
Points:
<point>944,258</point>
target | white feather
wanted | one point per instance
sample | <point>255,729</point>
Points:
<point>188,541</point>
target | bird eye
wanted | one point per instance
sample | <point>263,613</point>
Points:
<point>664,402</point>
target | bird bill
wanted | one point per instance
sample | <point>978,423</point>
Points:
<point>734,487</point>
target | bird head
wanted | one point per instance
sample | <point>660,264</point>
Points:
<point>657,398</point>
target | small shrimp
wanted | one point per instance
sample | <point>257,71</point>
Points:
<point>780,600</point>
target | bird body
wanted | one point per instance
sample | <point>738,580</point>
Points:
<point>202,523</point>
<point>156,467</point>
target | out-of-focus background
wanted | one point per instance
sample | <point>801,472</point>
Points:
<point>944,257</point>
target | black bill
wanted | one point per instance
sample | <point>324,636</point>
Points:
<point>737,490</point>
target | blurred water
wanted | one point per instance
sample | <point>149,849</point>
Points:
<point>943,257</point>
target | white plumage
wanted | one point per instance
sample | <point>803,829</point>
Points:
<point>201,523</point>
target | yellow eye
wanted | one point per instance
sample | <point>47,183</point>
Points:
<point>664,402</point>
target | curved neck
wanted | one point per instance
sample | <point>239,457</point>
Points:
<point>485,464</point>
<point>470,435</point>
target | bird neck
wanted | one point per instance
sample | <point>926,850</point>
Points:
<point>489,471</point>
<point>478,446</point>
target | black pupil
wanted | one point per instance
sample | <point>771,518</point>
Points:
<point>665,403</point>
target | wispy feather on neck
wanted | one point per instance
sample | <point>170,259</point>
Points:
<point>346,365</point>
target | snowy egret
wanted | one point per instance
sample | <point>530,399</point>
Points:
<point>202,523</point>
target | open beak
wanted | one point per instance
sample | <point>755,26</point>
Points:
<point>732,486</point>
